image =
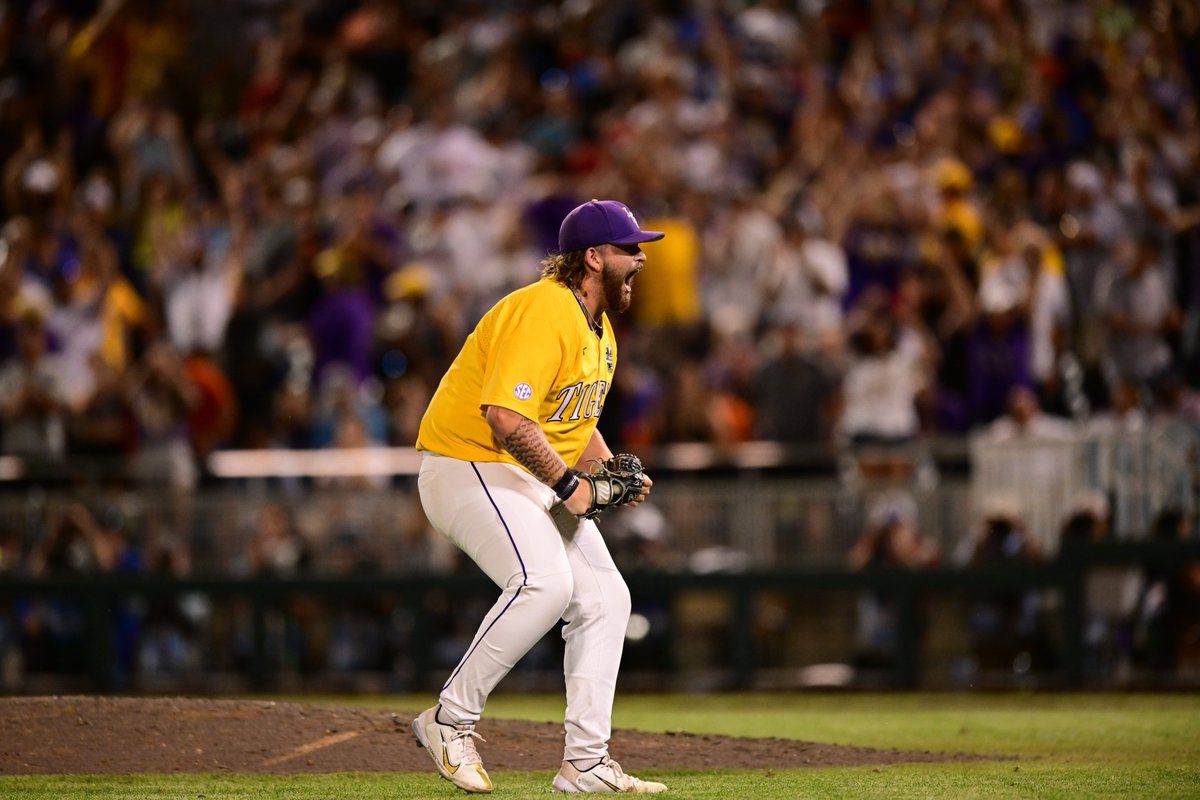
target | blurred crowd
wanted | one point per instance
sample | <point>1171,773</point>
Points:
<point>262,224</point>
<point>1134,617</point>
<point>173,634</point>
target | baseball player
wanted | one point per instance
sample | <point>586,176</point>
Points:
<point>509,442</point>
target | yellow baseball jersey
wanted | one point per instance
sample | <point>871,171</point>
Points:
<point>535,353</point>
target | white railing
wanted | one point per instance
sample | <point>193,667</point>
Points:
<point>1132,475</point>
<point>753,513</point>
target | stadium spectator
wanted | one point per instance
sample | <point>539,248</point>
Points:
<point>102,427</point>
<point>1025,419</point>
<point>795,391</point>
<point>32,406</point>
<point>1168,617</point>
<point>162,398</point>
<point>1088,228</point>
<point>999,350</point>
<point>1027,262</point>
<point>889,539</point>
<point>805,280</point>
<point>1007,627</point>
<point>1125,413</point>
<point>75,325</point>
<point>942,307</point>
<point>747,238</point>
<point>1137,312</point>
<point>888,368</point>
<point>52,630</point>
<point>1110,595</point>
<point>276,546</point>
<point>173,627</point>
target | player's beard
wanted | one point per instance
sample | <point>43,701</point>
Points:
<point>615,297</point>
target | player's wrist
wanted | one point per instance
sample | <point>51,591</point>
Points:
<point>566,485</point>
<point>581,499</point>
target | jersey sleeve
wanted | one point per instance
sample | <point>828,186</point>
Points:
<point>521,363</point>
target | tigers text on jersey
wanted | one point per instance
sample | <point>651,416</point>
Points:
<point>535,353</point>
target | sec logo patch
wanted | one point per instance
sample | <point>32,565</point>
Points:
<point>523,391</point>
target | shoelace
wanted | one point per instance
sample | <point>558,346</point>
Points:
<point>470,754</point>
<point>622,778</point>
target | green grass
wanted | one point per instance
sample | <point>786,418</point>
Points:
<point>1065,746</point>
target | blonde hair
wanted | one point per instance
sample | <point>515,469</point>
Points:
<point>566,268</point>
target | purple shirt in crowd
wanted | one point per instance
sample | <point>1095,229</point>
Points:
<point>341,324</point>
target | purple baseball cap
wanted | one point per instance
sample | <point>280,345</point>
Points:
<point>601,222</point>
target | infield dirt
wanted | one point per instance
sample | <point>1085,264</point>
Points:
<point>109,735</point>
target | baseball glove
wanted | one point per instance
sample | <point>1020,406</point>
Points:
<point>615,482</point>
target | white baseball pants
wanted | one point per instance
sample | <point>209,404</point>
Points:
<point>499,515</point>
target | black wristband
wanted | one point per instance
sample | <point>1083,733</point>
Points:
<point>566,485</point>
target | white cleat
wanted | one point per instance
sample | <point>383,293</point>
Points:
<point>607,776</point>
<point>452,749</point>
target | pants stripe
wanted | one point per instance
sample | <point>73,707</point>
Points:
<point>524,580</point>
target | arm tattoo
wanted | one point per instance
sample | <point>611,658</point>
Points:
<point>528,445</point>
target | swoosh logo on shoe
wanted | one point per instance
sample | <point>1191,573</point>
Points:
<point>606,783</point>
<point>451,768</point>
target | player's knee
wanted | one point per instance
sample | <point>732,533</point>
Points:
<point>552,591</point>
<point>619,603</point>
<point>611,604</point>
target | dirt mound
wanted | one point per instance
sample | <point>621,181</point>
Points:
<point>106,735</point>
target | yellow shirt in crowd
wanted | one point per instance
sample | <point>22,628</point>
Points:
<point>669,294</point>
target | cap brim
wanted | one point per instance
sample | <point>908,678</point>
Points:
<point>639,237</point>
